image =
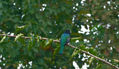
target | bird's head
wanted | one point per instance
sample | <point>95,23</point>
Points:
<point>67,31</point>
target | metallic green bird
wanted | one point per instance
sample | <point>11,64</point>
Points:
<point>65,38</point>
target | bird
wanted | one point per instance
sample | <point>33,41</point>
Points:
<point>65,38</point>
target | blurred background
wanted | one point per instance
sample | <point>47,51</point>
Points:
<point>94,26</point>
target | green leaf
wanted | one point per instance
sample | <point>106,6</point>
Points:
<point>75,52</point>
<point>18,36</point>
<point>48,42</point>
<point>92,51</point>
<point>3,39</point>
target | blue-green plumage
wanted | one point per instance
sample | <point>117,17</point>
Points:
<point>65,38</point>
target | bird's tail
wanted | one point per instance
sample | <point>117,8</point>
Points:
<point>61,49</point>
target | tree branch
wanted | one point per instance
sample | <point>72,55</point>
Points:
<point>98,58</point>
<point>57,41</point>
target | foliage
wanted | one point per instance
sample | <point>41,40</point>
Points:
<point>50,18</point>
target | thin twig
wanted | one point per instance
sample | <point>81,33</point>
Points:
<point>57,41</point>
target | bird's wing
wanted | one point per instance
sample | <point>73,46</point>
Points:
<point>68,40</point>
